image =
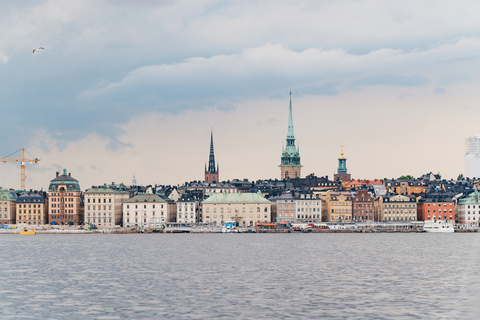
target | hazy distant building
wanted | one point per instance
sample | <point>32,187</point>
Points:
<point>212,174</point>
<point>290,166</point>
<point>472,156</point>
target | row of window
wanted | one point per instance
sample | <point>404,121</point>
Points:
<point>144,206</point>
<point>207,209</point>
<point>99,200</point>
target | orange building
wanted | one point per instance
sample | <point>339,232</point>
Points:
<point>405,187</point>
<point>65,205</point>
<point>436,209</point>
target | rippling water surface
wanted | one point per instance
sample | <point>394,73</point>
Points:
<point>191,276</point>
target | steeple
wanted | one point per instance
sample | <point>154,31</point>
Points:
<point>342,173</point>
<point>290,161</point>
<point>211,158</point>
<point>290,134</point>
<point>211,174</point>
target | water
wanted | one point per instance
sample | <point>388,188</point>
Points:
<point>192,276</point>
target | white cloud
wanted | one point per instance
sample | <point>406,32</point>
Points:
<point>3,57</point>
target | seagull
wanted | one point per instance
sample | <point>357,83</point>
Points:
<point>38,50</point>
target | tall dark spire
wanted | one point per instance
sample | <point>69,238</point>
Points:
<point>211,158</point>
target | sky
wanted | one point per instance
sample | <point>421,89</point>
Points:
<point>127,88</point>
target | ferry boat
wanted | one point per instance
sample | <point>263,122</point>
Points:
<point>438,226</point>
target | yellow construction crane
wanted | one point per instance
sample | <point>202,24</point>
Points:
<point>22,160</point>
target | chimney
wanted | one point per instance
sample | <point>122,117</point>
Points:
<point>69,174</point>
<point>57,173</point>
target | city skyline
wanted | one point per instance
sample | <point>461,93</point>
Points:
<point>123,89</point>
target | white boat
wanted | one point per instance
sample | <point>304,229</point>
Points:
<point>438,226</point>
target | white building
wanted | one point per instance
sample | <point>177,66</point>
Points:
<point>467,210</point>
<point>103,205</point>
<point>188,209</point>
<point>472,157</point>
<point>148,210</point>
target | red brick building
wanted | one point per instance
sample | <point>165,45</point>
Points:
<point>363,205</point>
<point>436,209</point>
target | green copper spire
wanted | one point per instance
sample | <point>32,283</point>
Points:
<point>290,134</point>
<point>290,154</point>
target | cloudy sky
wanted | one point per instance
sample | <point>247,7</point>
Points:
<point>133,87</point>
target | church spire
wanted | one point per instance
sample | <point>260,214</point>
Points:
<point>290,161</point>
<point>290,134</point>
<point>211,172</point>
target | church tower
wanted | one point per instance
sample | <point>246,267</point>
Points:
<point>290,166</point>
<point>342,174</point>
<point>211,175</point>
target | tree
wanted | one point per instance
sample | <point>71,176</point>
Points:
<point>406,177</point>
<point>460,176</point>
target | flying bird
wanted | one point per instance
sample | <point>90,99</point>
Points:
<point>38,50</point>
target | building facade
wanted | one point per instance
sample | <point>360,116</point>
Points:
<point>247,209</point>
<point>363,205</point>
<point>290,166</point>
<point>468,210</point>
<point>8,206</point>
<point>31,208</point>
<point>65,205</point>
<point>104,205</point>
<point>188,209</point>
<point>212,174</point>
<point>338,206</point>
<point>398,208</point>
<point>148,210</point>
<point>436,209</point>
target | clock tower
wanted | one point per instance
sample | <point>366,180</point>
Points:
<point>290,166</point>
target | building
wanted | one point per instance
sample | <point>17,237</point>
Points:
<point>65,204</point>
<point>290,166</point>
<point>363,205</point>
<point>338,206</point>
<point>31,208</point>
<point>436,208</point>
<point>342,172</point>
<point>212,174</point>
<point>283,207</point>
<point>398,208</point>
<point>188,209</point>
<point>245,208</point>
<point>309,207</point>
<point>8,206</point>
<point>356,184</point>
<point>468,209</point>
<point>103,205</point>
<point>146,210</point>
<point>405,187</point>
<point>472,156</point>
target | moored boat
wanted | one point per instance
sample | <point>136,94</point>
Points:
<point>439,226</point>
<point>27,231</point>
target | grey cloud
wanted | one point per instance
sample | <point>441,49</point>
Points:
<point>392,80</point>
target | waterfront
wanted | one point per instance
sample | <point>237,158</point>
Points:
<point>354,276</point>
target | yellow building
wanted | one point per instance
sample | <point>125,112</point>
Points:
<point>31,208</point>
<point>337,206</point>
